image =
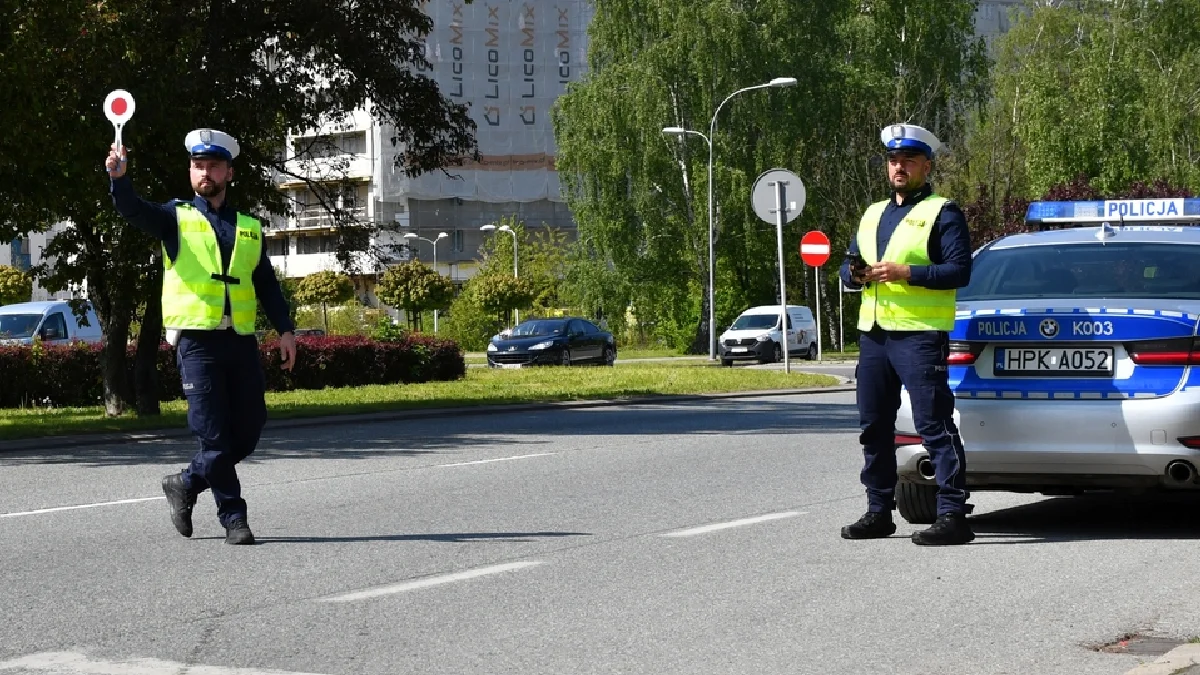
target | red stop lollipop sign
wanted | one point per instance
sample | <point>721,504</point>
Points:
<point>118,107</point>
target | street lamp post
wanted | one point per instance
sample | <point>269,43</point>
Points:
<point>504,228</point>
<point>712,135</point>
<point>432,242</point>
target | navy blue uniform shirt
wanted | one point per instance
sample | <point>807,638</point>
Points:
<point>159,221</point>
<point>949,245</point>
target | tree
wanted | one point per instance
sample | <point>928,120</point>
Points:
<point>15,286</point>
<point>323,288</point>
<point>642,196</point>
<point>542,259</point>
<point>1096,88</point>
<point>265,68</point>
<point>415,287</point>
<point>501,294</point>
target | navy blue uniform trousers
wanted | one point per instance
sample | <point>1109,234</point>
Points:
<point>225,390</point>
<point>916,360</point>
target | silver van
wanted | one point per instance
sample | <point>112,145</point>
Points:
<point>53,320</point>
<point>754,335</point>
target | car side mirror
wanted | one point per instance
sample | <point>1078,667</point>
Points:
<point>51,333</point>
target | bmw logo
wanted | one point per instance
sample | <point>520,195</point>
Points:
<point>1048,328</point>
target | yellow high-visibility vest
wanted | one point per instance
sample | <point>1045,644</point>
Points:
<point>194,285</point>
<point>896,305</point>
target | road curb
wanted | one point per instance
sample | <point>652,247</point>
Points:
<point>57,442</point>
<point>1174,661</point>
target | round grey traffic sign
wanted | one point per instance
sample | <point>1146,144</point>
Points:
<point>764,195</point>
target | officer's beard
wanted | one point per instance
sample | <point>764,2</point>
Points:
<point>209,188</point>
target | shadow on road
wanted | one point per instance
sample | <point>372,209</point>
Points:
<point>1091,518</point>
<point>452,437</point>
<point>447,538</point>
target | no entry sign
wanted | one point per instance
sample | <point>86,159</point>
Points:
<point>814,248</point>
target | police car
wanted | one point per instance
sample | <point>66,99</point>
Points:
<point>1072,357</point>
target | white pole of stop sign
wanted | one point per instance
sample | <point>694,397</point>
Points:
<point>780,219</point>
<point>818,312</point>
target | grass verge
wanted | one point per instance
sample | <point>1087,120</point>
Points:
<point>479,387</point>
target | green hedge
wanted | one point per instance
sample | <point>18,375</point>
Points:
<point>70,376</point>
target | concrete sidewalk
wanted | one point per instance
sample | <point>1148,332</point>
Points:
<point>1183,660</point>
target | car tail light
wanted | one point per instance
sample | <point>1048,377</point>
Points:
<point>1191,442</point>
<point>964,353</point>
<point>908,439</point>
<point>1173,352</point>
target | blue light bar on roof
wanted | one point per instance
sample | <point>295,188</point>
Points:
<point>1115,211</point>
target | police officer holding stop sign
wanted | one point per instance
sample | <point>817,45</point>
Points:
<point>216,270</point>
<point>910,254</point>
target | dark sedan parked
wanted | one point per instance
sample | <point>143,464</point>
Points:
<point>560,341</point>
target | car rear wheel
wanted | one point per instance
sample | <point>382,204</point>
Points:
<point>916,502</point>
<point>566,357</point>
<point>811,354</point>
<point>610,356</point>
<point>726,362</point>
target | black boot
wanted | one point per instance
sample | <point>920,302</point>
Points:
<point>948,530</point>
<point>873,525</point>
<point>238,532</point>
<point>181,500</point>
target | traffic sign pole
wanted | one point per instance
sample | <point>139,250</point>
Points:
<point>778,197</point>
<point>780,217</point>
<point>814,251</point>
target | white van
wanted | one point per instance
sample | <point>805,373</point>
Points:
<point>53,320</point>
<point>754,335</point>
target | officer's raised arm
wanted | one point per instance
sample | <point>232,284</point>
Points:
<point>156,220</point>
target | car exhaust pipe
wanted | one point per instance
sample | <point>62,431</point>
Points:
<point>1180,471</point>
<point>925,468</point>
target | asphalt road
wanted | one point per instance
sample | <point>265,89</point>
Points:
<point>684,538</point>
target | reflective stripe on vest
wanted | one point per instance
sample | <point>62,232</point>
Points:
<point>194,285</point>
<point>895,305</point>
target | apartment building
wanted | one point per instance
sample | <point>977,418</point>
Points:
<point>508,60</point>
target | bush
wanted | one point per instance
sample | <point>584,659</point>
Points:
<point>70,376</point>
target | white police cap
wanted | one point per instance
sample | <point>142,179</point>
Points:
<point>910,137</point>
<point>211,143</point>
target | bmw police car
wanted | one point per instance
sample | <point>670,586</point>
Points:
<point>1072,357</point>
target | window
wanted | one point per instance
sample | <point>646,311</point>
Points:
<point>589,327</point>
<point>458,242</point>
<point>55,327</point>
<point>20,255</point>
<point>331,145</point>
<point>277,246</point>
<point>323,243</point>
<point>1114,270</point>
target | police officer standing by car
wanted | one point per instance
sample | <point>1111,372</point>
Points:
<point>216,270</point>
<point>910,254</point>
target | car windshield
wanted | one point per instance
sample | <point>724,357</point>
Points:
<point>1111,270</point>
<point>539,329</point>
<point>755,322</point>
<point>18,325</point>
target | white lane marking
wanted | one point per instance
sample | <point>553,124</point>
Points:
<point>498,459</point>
<point>705,529</point>
<point>429,581</point>
<point>72,662</point>
<point>56,509</point>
